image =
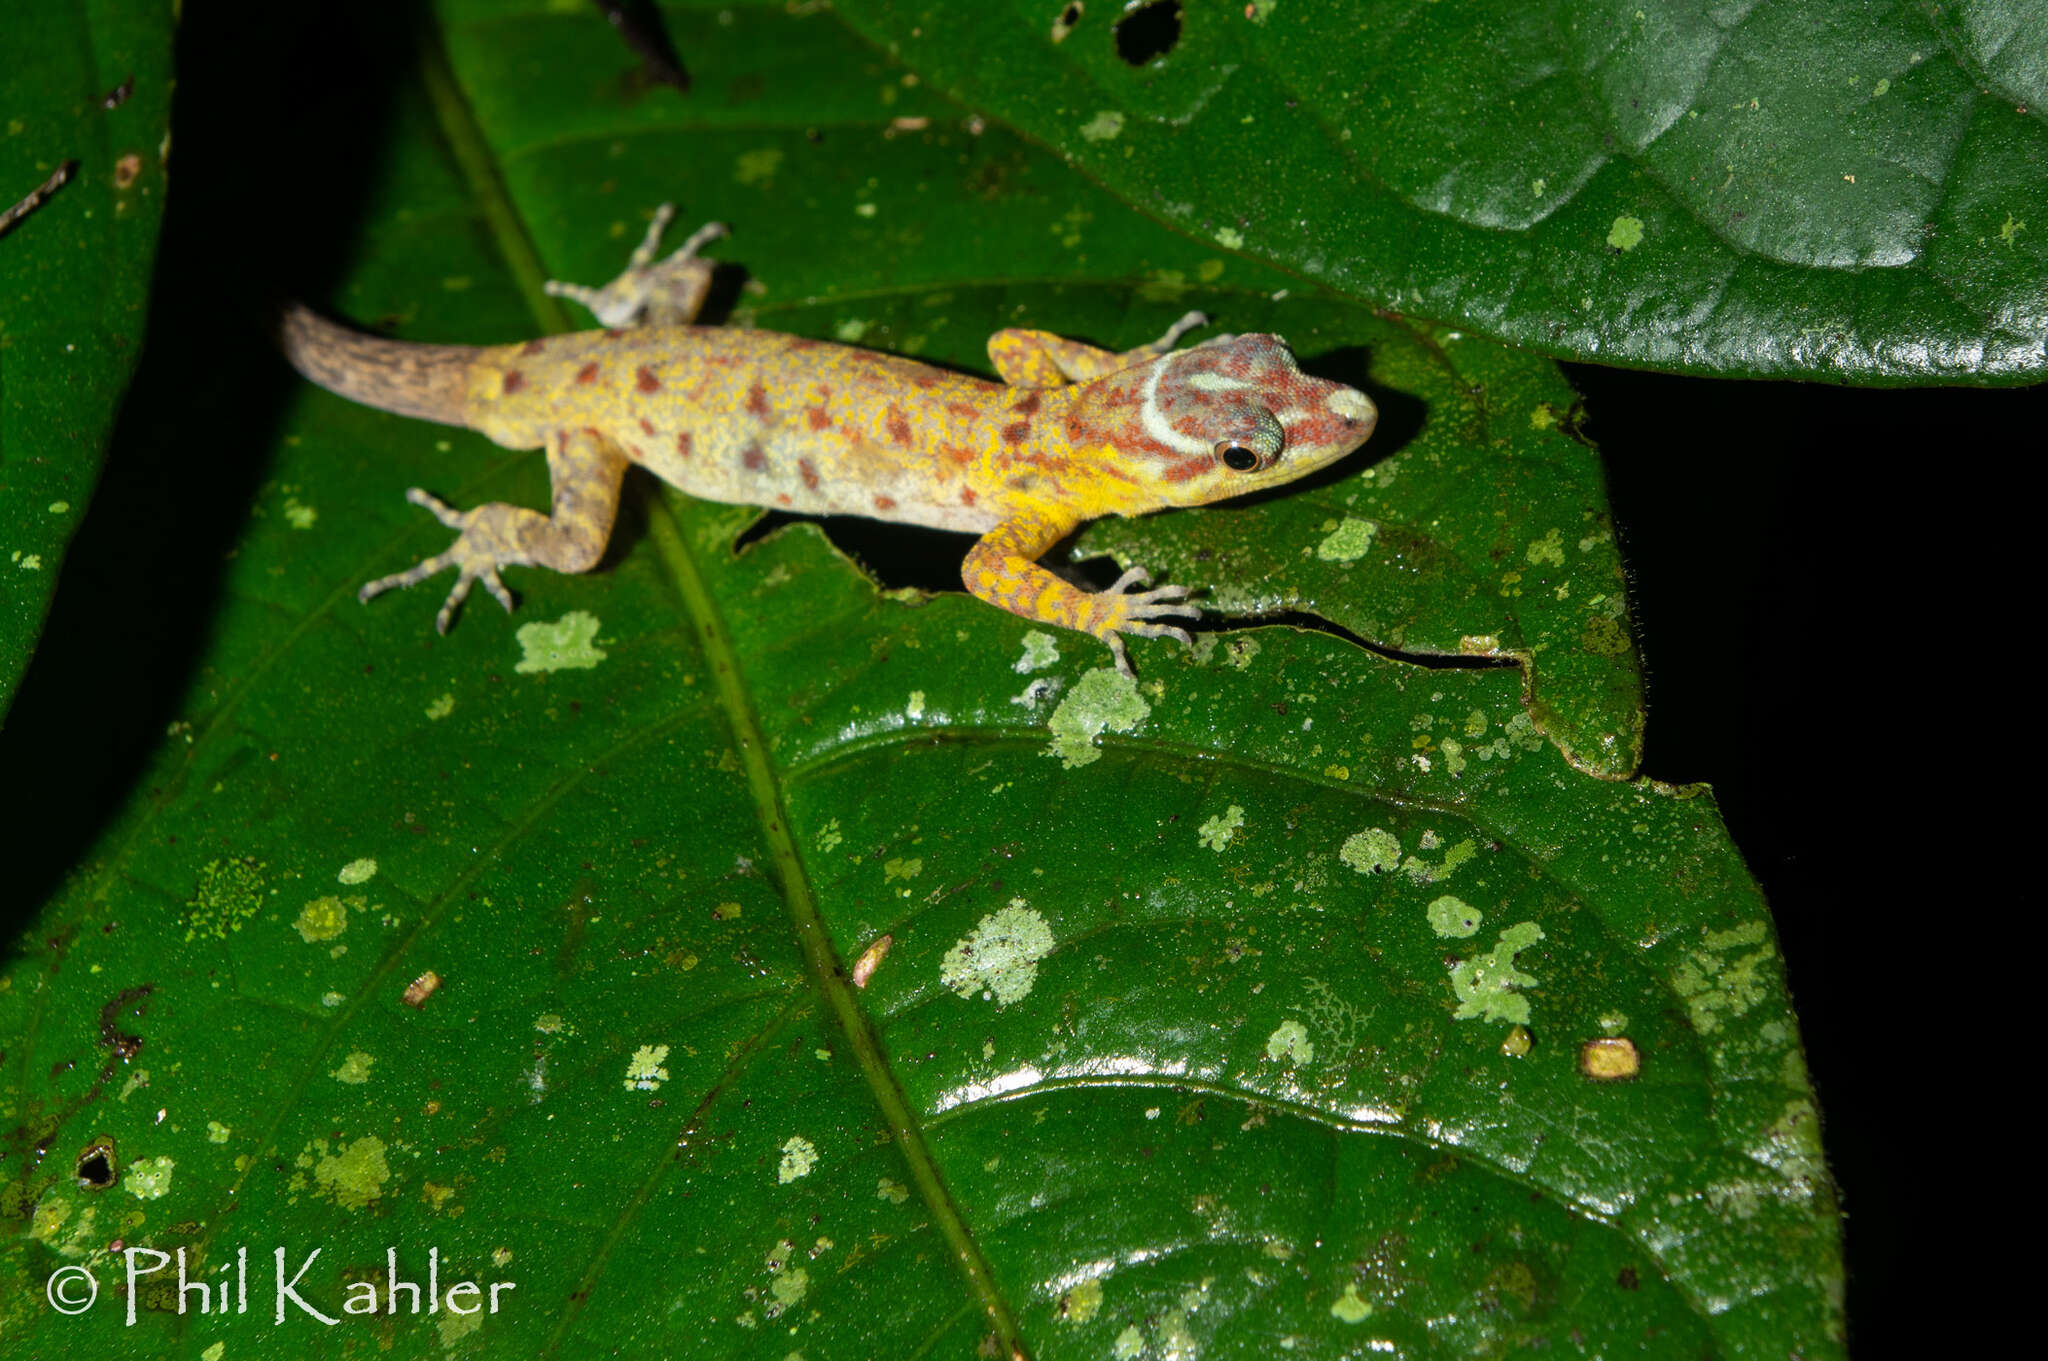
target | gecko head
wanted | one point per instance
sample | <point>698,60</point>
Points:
<point>1232,416</point>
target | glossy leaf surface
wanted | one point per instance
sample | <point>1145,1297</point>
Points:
<point>88,85</point>
<point>1295,993</point>
<point>1799,189</point>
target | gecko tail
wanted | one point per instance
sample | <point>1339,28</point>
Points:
<point>429,382</point>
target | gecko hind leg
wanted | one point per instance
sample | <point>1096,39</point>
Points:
<point>647,294</point>
<point>586,473</point>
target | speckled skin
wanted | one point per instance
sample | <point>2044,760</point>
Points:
<point>765,419</point>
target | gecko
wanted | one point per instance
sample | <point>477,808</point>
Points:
<point>762,418</point>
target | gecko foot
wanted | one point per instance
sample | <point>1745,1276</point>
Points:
<point>1132,611</point>
<point>474,554</point>
<point>667,294</point>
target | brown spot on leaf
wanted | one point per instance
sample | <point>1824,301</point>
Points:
<point>126,170</point>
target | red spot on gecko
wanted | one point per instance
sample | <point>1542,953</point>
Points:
<point>613,332</point>
<point>587,374</point>
<point>782,498</point>
<point>646,381</point>
<point>514,380</point>
<point>1029,406</point>
<point>818,418</point>
<point>885,503</point>
<point>899,425</point>
<point>646,426</point>
<point>967,496</point>
<point>757,400</point>
<point>959,453</point>
<point>685,446</point>
<point>1016,434</point>
<point>808,472</point>
<point>533,346</point>
<point>754,459</point>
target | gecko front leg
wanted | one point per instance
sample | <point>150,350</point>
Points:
<point>585,471</point>
<point>1002,569</point>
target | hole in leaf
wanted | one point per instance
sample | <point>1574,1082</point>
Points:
<point>1149,32</point>
<point>95,1170</point>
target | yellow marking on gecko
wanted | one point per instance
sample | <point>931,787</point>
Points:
<point>1072,432</point>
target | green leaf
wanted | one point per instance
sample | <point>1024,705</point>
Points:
<point>741,959</point>
<point>1786,189</point>
<point>74,272</point>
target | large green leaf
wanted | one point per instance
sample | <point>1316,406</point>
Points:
<point>1799,188</point>
<point>1249,1006</point>
<point>88,84</point>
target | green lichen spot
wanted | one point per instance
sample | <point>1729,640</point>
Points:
<point>148,1178</point>
<point>828,838</point>
<point>1716,987</point>
<point>999,958</point>
<point>1083,1302</point>
<point>568,644</point>
<point>1522,732</point>
<point>229,894</point>
<point>1129,1344</point>
<point>1217,831</point>
<point>1103,700</point>
<point>1374,849</point>
<point>1230,238</point>
<point>1883,84</point>
<point>355,1176</point>
<point>644,1072</point>
<point>322,919</point>
<point>214,1353</point>
<point>1289,1044</point>
<point>895,1192</point>
<point>1040,651</point>
<point>298,515</point>
<point>2010,231</point>
<point>901,869</point>
<point>441,708</point>
<point>789,1286</point>
<point>1484,983</point>
<point>915,709</point>
<point>851,330</point>
<point>1626,233</point>
<point>757,166</point>
<point>355,1069</point>
<point>1349,1308</point>
<point>1547,551</point>
<point>1450,916</point>
<point>1103,126</point>
<point>358,871</point>
<point>216,1132</point>
<point>1348,542</point>
<point>799,1156</point>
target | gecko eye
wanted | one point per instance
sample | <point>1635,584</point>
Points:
<point>1239,459</point>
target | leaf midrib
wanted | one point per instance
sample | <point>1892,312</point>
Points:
<point>478,167</point>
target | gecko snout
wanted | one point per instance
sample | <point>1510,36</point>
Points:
<point>1352,407</point>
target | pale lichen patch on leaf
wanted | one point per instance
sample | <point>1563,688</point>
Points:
<point>359,871</point>
<point>799,1157</point>
<point>1715,986</point>
<point>1347,542</point>
<point>1289,1043</point>
<point>644,1072</point>
<point>148,1178</point>
<point>1374,849</point>
<point>322,919</point>
<point>568,644</point>
<point>1103,700</point>
<point>1349,1308</point>
<point>355,1176</point>
<point>1104,126</point>
<point>1218,831</point>
<point>1485,983</point>
<point>999,958</point>
<point>355,1069</point>
<point>1449,916</point>
<point>1041,650</point>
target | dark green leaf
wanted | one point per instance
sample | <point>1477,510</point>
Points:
<point>74,272</point>
<point>1799,189</point>
<point>1250,1003</point>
